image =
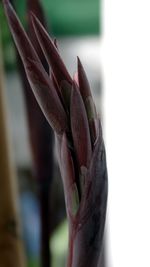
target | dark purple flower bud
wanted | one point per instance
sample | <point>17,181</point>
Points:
<point>23,44</point>
<point>39,80</point>
<point>80,128</point>
<point>88,100</point>
<point>47,97</point>
<point>83,82</point>
<point>51,52</point>
<point>66,89</point>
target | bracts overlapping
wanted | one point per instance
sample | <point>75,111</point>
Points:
<point>70,110</point>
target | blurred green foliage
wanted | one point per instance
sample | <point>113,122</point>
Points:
<point>69,17</point>
<point>59,247</point>
<point>33,263</point>
<point>8,49</point>
<point>73,17</point>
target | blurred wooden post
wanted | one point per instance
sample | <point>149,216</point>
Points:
<point>11,245</point>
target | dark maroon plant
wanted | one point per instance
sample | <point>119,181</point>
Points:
<point>69,108</point>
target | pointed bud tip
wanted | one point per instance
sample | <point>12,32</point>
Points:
<point>40,30</point>
<point>79,63</point>
<point>36,22</point>
<point>32,15</point>
<point>83,81</point>
<point>34,18</point>
<point>55,43</point>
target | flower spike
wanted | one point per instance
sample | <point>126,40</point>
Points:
<point>70,109</point>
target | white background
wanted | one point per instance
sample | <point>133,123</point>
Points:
<point>125,59</point>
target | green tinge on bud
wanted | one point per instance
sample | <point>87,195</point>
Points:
<point>74,205</point>
<point>68,176</point>
<point>94,129</point>
<point>83,174</point>
<point>90,108</point>
<point>92,118</point>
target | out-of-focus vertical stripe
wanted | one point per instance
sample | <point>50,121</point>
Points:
<point>11,246</point>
